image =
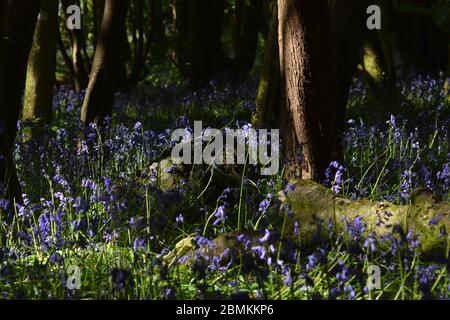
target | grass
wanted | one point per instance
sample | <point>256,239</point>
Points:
<point>100,208</point>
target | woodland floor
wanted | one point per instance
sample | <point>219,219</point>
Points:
<point>102,209</point>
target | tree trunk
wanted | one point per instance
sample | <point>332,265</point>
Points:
<point>17,22</point>
<point>305,64</point>
<point>42,65</point>
<point>268,94</point>
<point>98,7</point>
<point>98,102</point>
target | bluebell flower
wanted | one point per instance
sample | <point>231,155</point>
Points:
<point>179,219</point>
<point>220,215</point>
<point>266,237</point>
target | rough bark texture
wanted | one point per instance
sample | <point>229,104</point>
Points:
<point>305,65</point>
<point>17,23</point>
<point>42,65</point>
<point>98,102</point>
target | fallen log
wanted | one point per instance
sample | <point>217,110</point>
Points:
<point>308,207</point>
<point>310,203</point>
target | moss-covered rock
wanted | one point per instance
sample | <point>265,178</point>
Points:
<point>165,174</point>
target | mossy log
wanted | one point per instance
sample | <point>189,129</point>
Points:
<point>314,206</point>
<point>310,203</point>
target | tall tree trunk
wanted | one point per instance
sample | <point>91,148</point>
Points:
<point>268,94</point>
<point>98,7</point>
<point>198,48</point>
<point>17,23</point>
<point>98,102</point>
<point>305,64</point>
<point>42,65</point>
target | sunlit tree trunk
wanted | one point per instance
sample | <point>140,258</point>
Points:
<point>306,76</point>
<point>42,65</point>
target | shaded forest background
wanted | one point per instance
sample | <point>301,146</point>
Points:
<point>122,43</point>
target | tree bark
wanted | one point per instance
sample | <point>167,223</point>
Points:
<point>98,102</point>
<point>305,64</point>
<point>42,65</point>
<point>388,40</point>
<point>17,21</point>
<point>98,8</point>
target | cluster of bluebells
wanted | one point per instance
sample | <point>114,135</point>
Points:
<point>90,197</point>
<point>389,160</point>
